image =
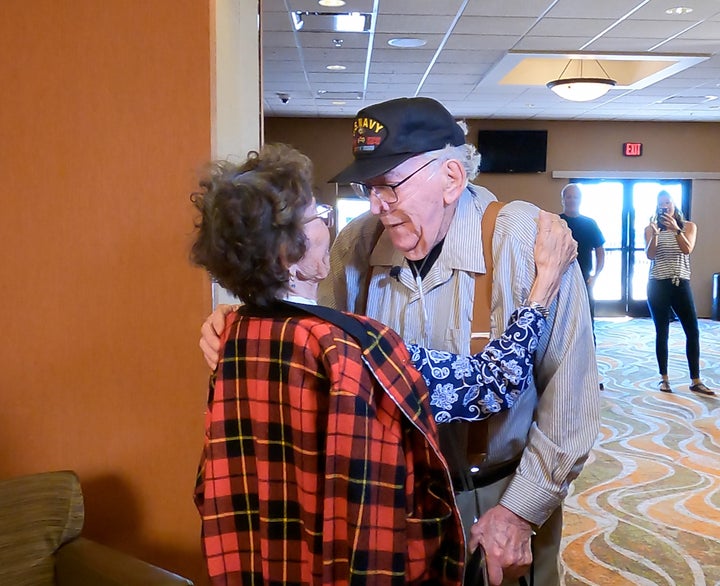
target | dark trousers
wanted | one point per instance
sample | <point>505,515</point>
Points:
<point>591,301</point>
<point>663,297</point>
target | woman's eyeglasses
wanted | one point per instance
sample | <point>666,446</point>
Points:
<point>323,212</point>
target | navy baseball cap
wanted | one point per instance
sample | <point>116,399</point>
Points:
<point>389,133</point>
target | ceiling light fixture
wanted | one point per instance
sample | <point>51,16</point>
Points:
<point>336,68</point>
<point>581,89</point>
<point>343,22</point>
<point>331,3</point>
<point>679,10</point>
<point>406,42</point>
<point>353,22</point>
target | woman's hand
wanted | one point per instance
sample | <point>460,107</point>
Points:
<point>555,251</point>
<point>669,222</point>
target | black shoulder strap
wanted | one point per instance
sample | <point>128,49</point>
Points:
<point>342,320</point>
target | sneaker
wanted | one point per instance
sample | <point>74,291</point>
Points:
<point>701,389</point>
<point>665,387</point>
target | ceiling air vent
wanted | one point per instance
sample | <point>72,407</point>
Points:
<point>687,100</point>
<point>327,95</point>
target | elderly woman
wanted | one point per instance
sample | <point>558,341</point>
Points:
<point>321,463</point>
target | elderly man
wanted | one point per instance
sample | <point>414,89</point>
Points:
<point>411,263</point>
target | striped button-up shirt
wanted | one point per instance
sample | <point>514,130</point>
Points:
<point>555,422</point>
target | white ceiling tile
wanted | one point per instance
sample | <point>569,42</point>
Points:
<point>550,43</point>
<point>646,29</point>
<point>480,42</point>
<point>419,25</point>
<point>484,25</point>
<point>557,28</point>
<point>607,9</point>
<point>682,45</point>
<point>655,10</point>
<point>528,8</point>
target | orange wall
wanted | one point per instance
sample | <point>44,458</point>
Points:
<point>572,146</point>
<point>104,120</point>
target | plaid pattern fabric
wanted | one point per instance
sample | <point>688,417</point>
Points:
<point>320,463</point>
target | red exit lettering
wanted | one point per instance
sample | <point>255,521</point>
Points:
<point>632,149</point>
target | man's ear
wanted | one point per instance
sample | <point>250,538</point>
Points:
<point>455,180</point>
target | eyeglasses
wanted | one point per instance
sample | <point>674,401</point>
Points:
<point>323,212</point>
<point>385,193</point>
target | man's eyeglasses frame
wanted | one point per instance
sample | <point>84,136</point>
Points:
<point>381,191</point>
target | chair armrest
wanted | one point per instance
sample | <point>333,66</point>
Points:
<point>83,562</point>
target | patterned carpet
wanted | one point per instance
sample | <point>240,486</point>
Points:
<point>646,508</point>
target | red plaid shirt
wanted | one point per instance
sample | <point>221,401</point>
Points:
<point>320,463</point>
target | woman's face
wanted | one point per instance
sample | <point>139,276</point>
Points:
<point>665,202</point>
<point>315,265</point>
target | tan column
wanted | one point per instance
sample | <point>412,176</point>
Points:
<point>236,85</point>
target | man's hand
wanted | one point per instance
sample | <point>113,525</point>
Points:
<point>506,539</point>
<point>210,333</point>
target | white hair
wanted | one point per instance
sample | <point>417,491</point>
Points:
<point>467,154</point>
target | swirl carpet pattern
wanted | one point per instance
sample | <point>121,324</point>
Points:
<point>646,508</point>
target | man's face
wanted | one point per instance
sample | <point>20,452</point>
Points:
<point>571,199</point>
<point>417,221</point>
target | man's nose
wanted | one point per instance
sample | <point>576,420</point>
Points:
<point>377,205</point>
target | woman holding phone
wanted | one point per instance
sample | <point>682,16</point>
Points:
<point>669,240</point>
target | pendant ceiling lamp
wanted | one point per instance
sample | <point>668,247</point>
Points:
<point>581,89</point>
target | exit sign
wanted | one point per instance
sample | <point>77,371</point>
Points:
<point>632,149</point>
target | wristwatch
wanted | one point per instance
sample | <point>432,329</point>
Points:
<point>679,231</point>
<point>541,309</point>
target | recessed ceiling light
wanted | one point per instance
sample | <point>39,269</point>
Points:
<point>331,3</point>
<point>338,103</point>
<point>406,42</point>
<point>678,10</point>
<point>336,67</point>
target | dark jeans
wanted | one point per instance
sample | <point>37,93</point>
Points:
<point>662,297</point>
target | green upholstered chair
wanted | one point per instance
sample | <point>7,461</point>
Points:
<point>41,517</point>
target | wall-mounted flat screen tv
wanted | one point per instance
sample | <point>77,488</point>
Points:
<point>512,151</point>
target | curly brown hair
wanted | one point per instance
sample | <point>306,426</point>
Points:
<point>250,227</point>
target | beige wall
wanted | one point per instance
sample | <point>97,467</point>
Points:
<point>678,148</point>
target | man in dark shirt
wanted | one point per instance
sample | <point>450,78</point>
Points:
<point>590,240</point>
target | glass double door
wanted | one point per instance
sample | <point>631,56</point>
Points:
<point>622,209</point>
